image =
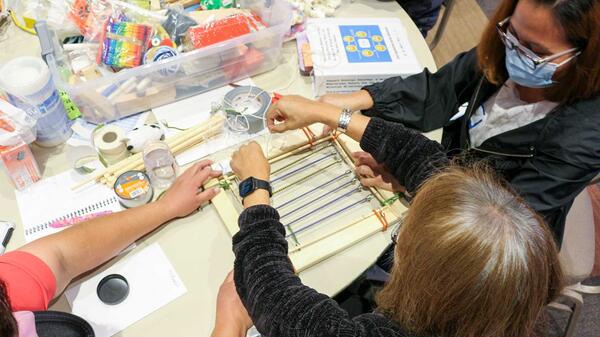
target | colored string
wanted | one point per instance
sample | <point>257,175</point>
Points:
<point>313,190</point>
<point>299,160</point>
<point>381,216</point>
<point>366,199</point>
<point>322,196</point>
<point>307,177</point>
<point>391,199</point>
<point>225,184</point>
<point>309,135</point>
<point>301,168</point>
<point>325,205</point>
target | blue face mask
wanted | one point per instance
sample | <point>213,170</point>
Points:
<point>523,73</point>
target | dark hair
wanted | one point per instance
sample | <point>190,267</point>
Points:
<point>8,324</point>
<point>580,20</point>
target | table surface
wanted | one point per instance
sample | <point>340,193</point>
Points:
<point>199,246</point>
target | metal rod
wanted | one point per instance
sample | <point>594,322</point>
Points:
<point>322,207</point>
<point>338,230</point>
<point>327,183</point>
<point>366,199</point>
<point>308,176</point>
<point>292,234</point>
<point>299,159</point>
<point>293,172</point>
<point>349,182</point>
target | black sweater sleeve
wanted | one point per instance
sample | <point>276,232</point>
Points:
<point>426,101</point>
<point>277,301</point>
<point>408,155</point>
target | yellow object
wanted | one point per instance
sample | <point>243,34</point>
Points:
<point>26,26</point>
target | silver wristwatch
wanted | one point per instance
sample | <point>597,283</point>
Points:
<point>344,120</point>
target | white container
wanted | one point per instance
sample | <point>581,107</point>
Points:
<point>28,82</point>
<point>182,76</point>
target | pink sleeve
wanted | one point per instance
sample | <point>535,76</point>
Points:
<point>30,283</point>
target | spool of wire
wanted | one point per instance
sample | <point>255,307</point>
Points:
<point>245,107</point>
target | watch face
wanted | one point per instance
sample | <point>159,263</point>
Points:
<point>246,187</point>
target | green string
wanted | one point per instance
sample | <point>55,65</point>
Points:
<point>225,184</point>
<point>391,199</point>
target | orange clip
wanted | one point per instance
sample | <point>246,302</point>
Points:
<point>381,216</point>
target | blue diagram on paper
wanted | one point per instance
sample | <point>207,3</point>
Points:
<point>364,43</point>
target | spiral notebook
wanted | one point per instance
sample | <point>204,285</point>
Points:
<point>51,201</point>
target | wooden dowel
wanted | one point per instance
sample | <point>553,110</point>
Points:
<point>196,140</point>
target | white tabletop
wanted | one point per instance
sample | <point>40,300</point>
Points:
<point>199,246</point>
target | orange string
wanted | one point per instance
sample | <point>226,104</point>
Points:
<point>309,135</point>
<point>379,214</point>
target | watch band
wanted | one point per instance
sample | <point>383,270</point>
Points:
<point>344,120</point>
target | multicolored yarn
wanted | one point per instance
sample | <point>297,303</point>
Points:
<point>124,44</point>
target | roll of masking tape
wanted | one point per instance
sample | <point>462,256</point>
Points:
<point>84,159</point>
<point>108,140</point>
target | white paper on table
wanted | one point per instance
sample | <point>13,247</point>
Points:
<point>192,111</point>
<point>153,283</point>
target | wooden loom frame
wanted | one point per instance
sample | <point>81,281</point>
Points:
<point>312,252</point>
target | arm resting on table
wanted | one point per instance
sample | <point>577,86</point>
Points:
<point>82,247</point>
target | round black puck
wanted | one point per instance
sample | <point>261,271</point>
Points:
<point>113,289</point>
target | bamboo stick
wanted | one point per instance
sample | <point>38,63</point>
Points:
<point>187,134</point>
<point>198,139</point>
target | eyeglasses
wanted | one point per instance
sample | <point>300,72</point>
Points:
<point>395,233</point>
<point>530,58</point>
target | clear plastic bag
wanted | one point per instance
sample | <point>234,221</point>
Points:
<point>16,125</point>
<point>177,24</point>
<point>124,43</point>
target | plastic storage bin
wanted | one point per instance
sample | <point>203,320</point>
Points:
<point>185,75</point>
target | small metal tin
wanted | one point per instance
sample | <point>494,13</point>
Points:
<point>113,289</point>
<point>133,189</point>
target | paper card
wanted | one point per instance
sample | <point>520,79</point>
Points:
<point>146,271</point>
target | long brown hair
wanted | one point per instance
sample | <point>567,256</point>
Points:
<point>8,325</point>
<point>580,19</point>
<point>471,260</point>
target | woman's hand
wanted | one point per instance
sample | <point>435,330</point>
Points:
<point>296,112</point>
<point>232,317</point>
<point>359,100</point>
<point>250,161</point>
<point>373,174</point>
<point>186,195</point>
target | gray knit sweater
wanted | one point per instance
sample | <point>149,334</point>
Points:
<point>277,301</point>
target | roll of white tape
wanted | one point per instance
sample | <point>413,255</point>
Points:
<point>113,159</point>
<point>109,142</point>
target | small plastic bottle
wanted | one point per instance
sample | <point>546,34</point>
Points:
<point>160,163</point>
